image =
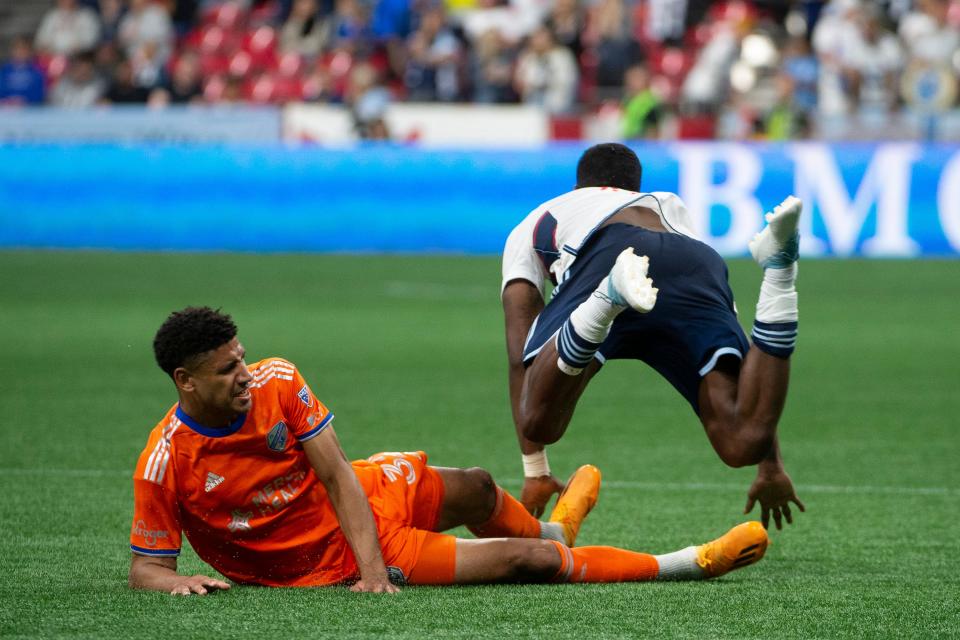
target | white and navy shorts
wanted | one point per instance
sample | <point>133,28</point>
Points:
<point>692,326</point>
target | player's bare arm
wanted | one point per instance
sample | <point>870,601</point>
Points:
<point>160,574</point>
<point>522,303</point>
<point>352,509</point>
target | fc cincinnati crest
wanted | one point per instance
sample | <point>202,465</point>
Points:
<point>304,395</point>
<point>277,438</point>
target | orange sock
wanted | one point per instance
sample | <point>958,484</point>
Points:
<point>604,564</point>
<point>508,520</point>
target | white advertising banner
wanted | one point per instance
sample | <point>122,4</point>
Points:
<point>427,125</point>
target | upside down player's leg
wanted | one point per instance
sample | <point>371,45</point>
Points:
<point>740,409</point>
<point>549,396</point>
<point>565,364</point>
<point>526,560</point>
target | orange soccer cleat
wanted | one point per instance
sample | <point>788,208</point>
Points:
<point>741,546</point>
<point>576,501</point>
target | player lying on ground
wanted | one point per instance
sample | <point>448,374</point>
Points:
<point>604,245</point>
<point>247,465</point>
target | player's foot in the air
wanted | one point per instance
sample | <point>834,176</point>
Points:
<point>740,547</point>
<point>576,501</point>
<point>778,245</point>
<point>628,284</point>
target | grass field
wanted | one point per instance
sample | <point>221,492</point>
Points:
<point>409,354</point>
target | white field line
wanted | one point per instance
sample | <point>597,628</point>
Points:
<point>632,485</point>
<point>626,485</point>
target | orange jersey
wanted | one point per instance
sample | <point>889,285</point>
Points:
<point>245,496</point>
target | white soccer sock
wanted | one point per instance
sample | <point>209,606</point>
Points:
<point>580,336</point>
<point>778,296</point>
<point>592,319</point>
<point>679,565</point>
<point>552,531</point>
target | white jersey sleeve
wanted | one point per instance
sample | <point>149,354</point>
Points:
<point>520,260</point>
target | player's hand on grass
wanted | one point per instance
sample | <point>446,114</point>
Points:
<point>200,585</point>
<point>376,585</point>
<point>774,491</point>
<point>536,493</point>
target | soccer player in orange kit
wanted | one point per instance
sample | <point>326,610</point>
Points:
<point>248,466</point>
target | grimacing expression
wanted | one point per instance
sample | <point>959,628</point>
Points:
<point>221,381</point>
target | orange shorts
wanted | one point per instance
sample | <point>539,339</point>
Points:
<point>406,496</point>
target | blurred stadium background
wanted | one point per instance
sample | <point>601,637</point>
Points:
<point>277,157</point>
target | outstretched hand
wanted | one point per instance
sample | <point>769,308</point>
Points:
<point>774,490</point>
<point>374,586</point>
<point>200,585</point>
<point>537,492</point>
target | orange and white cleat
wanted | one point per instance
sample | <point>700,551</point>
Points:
<point>576,501</point>
<point>742,546</point>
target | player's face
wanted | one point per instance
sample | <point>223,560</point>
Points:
<point>221,381</point>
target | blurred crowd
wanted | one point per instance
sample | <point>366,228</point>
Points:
<point>771,69</point>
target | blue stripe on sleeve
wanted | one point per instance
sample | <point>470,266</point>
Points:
<point>317,429</point>
<point>155,552</point>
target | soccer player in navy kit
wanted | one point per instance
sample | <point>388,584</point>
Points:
<point>632,281</point>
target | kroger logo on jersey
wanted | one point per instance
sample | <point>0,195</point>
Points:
<point>277,437</point>
<point>150,536</point>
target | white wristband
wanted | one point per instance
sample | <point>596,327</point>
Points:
<point>536,464</point>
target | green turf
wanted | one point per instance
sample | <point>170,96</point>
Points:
<point>409,354</point>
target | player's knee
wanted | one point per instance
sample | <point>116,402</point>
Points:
<point>748,448</point>
<point>533,560</point>
<point>483,487</point>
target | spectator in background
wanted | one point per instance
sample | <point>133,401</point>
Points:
<point>184,85</point>
<point>491,69</point>
<point>802,69</point>
<point>183,14</point>
<point>567,23</point>
<point>547,73</point>
<point>928,35</point>
<point>433,64</point>
<point>122,88</point>
<point>642,109</point>
<point>81,86</point>
<point>614,45</point>
<point>666,21</point>
<point>368,100</point>
<point>707,85</point>
<point>513,22</point>
<point>111,13</point>
<point>875,61</point>
<point>21,78</point>
<point>834,37</point>
<point>391,20</point>
<point>67,29</point>
<point>145,35</point>
<point>350,27</point>
<point>305,32</point>
<point>786,120</point>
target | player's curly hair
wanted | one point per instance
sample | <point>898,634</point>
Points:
<point>188,333</point>
<point>609,165</point>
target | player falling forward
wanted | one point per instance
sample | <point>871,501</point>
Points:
<point>633,282</point>
<point>248,466</point>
